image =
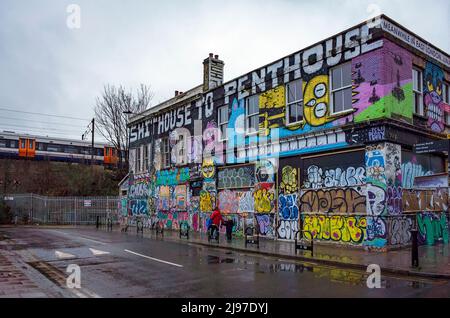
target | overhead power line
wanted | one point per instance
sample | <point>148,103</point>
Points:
<point>40,121</point>
<point>40,114</point>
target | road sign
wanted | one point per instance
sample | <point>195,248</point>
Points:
<point>432,146</point>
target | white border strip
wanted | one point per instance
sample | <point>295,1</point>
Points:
<point>154,259</point>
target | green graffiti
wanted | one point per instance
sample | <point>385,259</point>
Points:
<point>433,228</point>
<point>388,105</point>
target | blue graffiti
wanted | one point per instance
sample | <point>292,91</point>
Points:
<point>288,206</point>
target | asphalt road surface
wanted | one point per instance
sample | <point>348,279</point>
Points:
<point>115,264</point>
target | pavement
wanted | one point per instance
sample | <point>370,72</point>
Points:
<point>434,261</point>
<point>36,260</point>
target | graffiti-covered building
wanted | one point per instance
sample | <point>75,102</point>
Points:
<point>321,139</point>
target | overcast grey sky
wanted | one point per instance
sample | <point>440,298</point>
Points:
<point>46,67</point>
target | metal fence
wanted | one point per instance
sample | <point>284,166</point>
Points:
<point>33,209</point>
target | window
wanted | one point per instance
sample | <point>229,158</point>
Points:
<point>446,100</point>
<point>13,144</point>
<point>138,159</point>
<point>181,147</point>
<point>2,143</point>
<point>40,146</point>
<point>418,93</point>
<point>294,105</point>
<point>165,152</point>
<point>252,115</point>
<point>53,148</point>
<point>223,122</point>
<point>341,88</point>
<point>22,143</point>
<point>145,167</point>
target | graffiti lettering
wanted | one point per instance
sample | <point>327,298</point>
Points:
<point>335,200</point>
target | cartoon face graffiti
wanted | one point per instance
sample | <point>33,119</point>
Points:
<point>432,84</point>
<point>208,169</point>
<point>315,96</point>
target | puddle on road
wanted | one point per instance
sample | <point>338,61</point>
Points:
<point>217,260</point>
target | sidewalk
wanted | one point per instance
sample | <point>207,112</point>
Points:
<point>434,261</point>
<point>14,283</point>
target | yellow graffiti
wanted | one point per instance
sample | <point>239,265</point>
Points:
<point>289,180</point>
<point>264,200</point>
<point>316,110</point>
<point>273,102</point>
<point>336,228</point>
<point>274,98</point>
<point>205,201</point>
<point>208,169</point>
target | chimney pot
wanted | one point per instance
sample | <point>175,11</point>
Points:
<point>176,93</point>
<point>211,55</point>
<point>216,57</point>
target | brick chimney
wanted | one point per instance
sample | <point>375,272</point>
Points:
<point>212,72</point>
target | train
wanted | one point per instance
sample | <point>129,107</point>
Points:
<point>16,146</point>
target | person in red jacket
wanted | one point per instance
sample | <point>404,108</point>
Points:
<point>217,218</point>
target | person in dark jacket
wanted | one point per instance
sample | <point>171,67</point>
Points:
<point>229,229</point>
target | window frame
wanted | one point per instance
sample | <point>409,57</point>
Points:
<point>145,157</point>
<point>165,155</point>
<point>248,116</point>
<point>138,160</point>
<point>288,123</point>
<point>221,123</point>
<point>446,100</point>
<point>333,90</point>
<point>418,92</point>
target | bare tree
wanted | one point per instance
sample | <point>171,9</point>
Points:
<point>111,115</point>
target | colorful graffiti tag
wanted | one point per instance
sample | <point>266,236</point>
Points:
<point>351,229</point>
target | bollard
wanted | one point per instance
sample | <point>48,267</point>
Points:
<point>97,223</point>
<point>414,249</point>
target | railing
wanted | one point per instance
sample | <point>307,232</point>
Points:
<point>37,209</point>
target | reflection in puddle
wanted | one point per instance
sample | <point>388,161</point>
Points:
<point>217,260</point>
<point>289,268</point>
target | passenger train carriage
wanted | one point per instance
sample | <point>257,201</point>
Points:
<point>14,145</point>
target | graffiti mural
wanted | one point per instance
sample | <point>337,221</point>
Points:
<point>246,201</point>
<point>399,230</point>
<point>415,200</point>
<point>433,81</point>
<point>264,171</point>
<point>228,201</point>
<point>288,209</point>
<point>236,177</point>
<point>319,178</point>
<point>172,220</point>
<point>382,92</point>
<point>349,200</point>
<point>172,177</point>
<point>289,179</point>
<point>180,192</point>
<point>266,224</point>
<point>347,229</point>
<point>433,228</point>
<point>264,196</point>
<point>287,229</point>
<point>376,188</point>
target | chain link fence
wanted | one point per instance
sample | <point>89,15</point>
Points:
<point>37,209</point>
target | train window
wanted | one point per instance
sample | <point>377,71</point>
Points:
<point>40,146</point>
<point>13,144</point>
<point>69,149</point>
<point>100,152</point>
<point>22,143</point>
<point>30,144</point>
<point>53,148</point>
<point>3,143</point>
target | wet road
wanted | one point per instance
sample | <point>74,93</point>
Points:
<point>117,264</point>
